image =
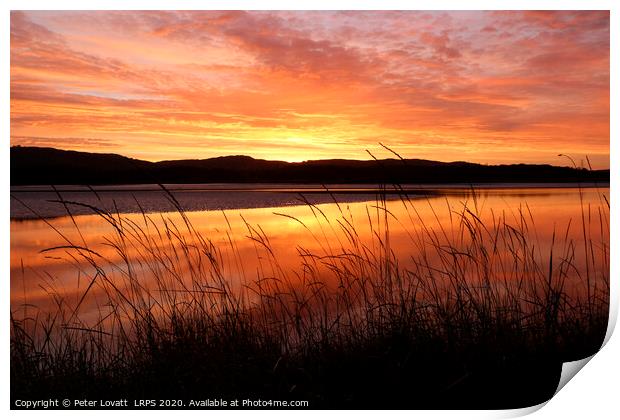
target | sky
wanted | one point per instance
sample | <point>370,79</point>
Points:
<point>488,87</point>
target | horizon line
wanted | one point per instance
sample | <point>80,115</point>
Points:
<point>395,157</point>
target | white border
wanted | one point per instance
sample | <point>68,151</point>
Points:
<point>592,394</point>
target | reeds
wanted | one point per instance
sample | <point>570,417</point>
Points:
<point>480,315</point>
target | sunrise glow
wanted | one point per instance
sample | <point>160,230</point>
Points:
<point>488,87</point>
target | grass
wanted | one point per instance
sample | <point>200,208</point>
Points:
<point>480,316</point>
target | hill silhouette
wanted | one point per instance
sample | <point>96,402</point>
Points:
<point>46,166</point>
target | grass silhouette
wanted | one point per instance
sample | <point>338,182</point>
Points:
<point>481,316</point>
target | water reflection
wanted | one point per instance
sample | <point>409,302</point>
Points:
<point>297,244</point>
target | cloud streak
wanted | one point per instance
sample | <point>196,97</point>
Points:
<point>481,86</point>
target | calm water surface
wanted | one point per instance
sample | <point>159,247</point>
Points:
<point>253,227</point>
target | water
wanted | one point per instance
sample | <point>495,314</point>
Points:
<point>32,202</point>
<point>263,232</point>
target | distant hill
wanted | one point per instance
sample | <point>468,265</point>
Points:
<point>46,166</point>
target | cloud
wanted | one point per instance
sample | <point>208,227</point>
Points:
<point>285,84</point>
<point>64,142</point>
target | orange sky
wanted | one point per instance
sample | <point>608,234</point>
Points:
<point>490,87</point>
